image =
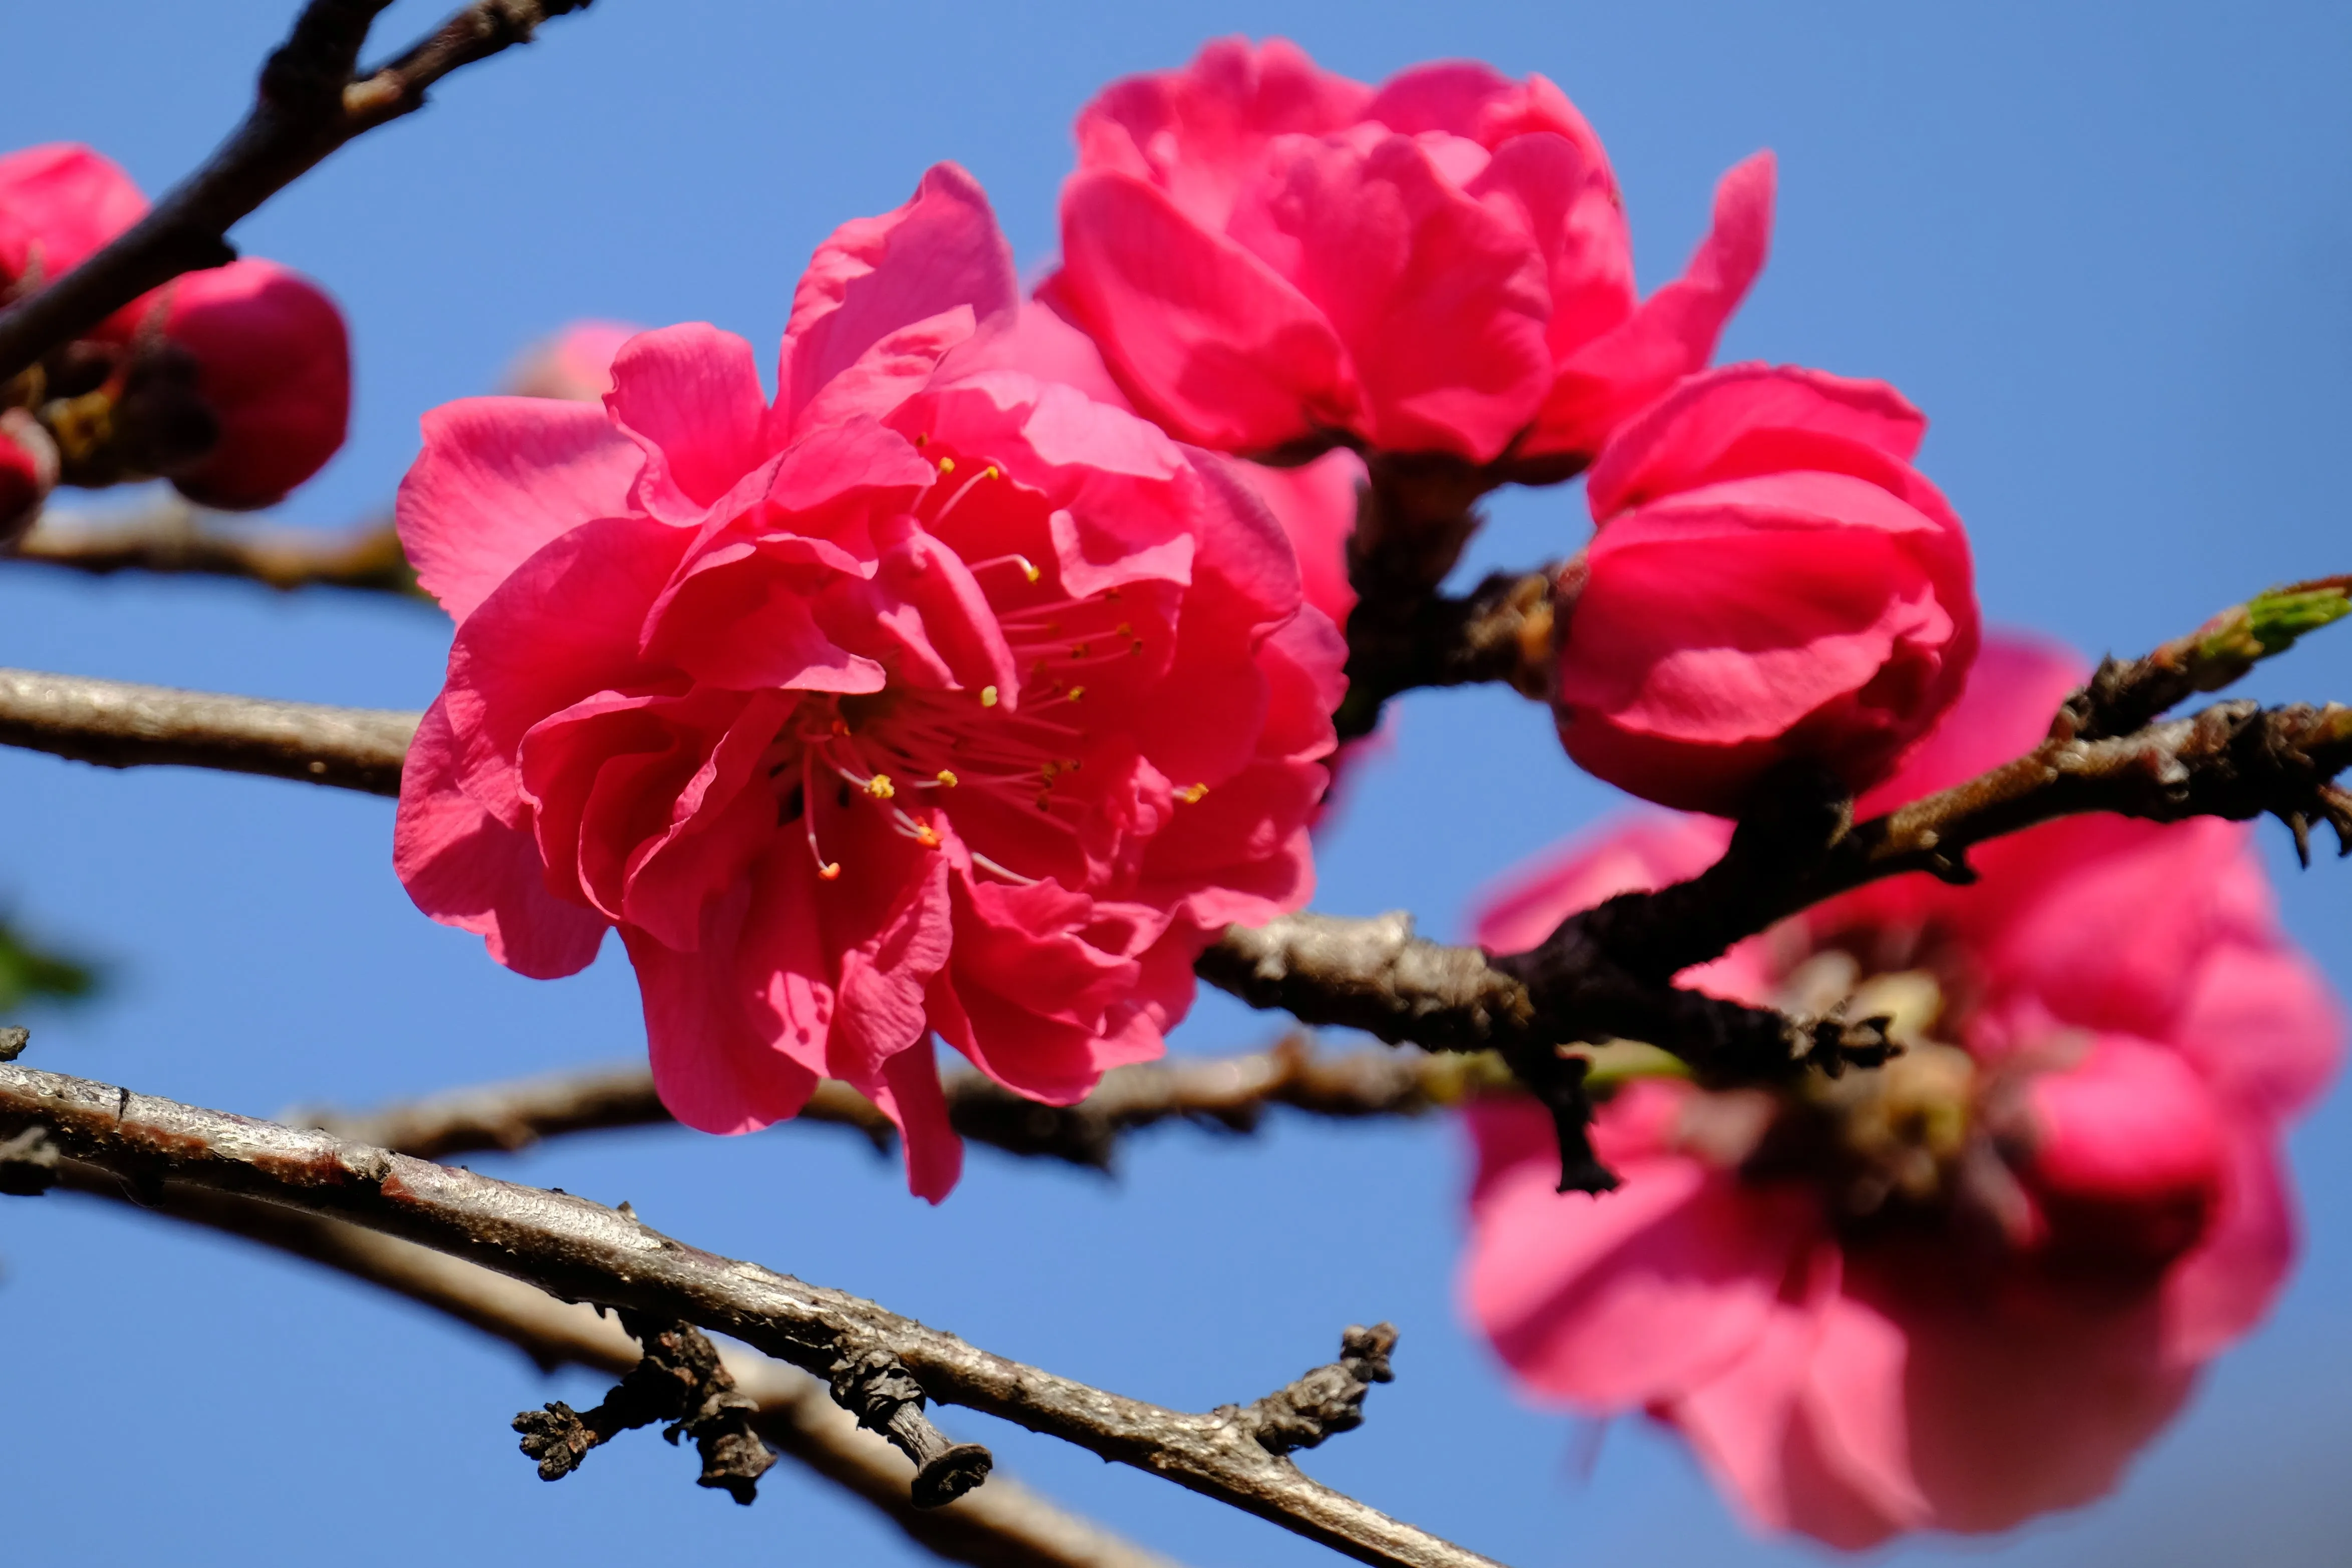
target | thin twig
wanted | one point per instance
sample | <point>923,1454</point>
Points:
<point>172,536</point>
<point>311,99</point>
<point>1001,1525</point>
<point>1230,1092</point>
<point>574,1248</point>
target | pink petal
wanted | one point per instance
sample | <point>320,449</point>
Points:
<point>2224,1287</point>
<point>691,396</point>
<point>466,869</point>
<point>2014,1413</point>
<point>1473,100</point>
<point>714,1072</point>
<point>1739,420</point>
<point>1441,303</point>
<point>1201,132</point>
<point>1204,336</point>
<point>876,277</point>
<point>1639,1296</point>
<point>911,1095</point>
<point>1671,333</point>
<point>59,203</point>
<point>1564,199</point>
<point>499,477</point>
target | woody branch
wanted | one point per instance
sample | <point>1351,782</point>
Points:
<point>572,1248</point>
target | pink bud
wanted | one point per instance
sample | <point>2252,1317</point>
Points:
<point>575,364</point>
<point>58,203</point>
<point>28,472</point>
<point>274,368</point>
<point>1771,580</point>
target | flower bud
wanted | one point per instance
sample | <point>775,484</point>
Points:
<point>1771,580</point>
<point>575,364</point>
<point>28,472</point>
<point>58,203</point>
<point>273,370</point>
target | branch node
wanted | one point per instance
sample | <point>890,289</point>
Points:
<point>680,1381</point>
<point>1324,1402</point>
<point>876,1386</point>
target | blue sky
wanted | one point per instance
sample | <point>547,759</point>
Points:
<point>2104,248</point>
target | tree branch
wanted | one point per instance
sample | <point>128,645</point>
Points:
<point>1230,1092</point>
<point>1003,1525</point>
<point>117,724</point>
<point>571,1248</point>
<point>311,99</point>
<point>174,537</point>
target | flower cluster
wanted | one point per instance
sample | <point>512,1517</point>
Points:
<point>966,686</point>
<point>1964,1288</point>
<point>235,383</point>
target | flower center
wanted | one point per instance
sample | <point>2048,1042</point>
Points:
<point>916,754</point>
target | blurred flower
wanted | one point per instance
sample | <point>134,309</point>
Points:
<point>1771,579</point>
<point>272,369</point>
<point>1274,257</point>
<point>1967,1288</point>
<point>574,363</point>
<point>59,203</point>
<point>28,472</point>
<point>930,696</point>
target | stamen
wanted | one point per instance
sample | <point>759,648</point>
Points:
<point>826,869</point>
<point>1075,692</point>
<point>947,464</point>
<point>947,780</point>
<point>880,787</point>
<point>1028,567</point>
<point>1015,877</point>
<point>1191,793</point>
<point>988,697</point>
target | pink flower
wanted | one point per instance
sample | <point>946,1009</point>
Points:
<point>929,697</point>
<point>273,371</point>
<point>1771,579</point>
<point>574,363</point>
<point>28,472</point>
<point>1275,257</point>
<point>59,203</point>
<point>1965,1288</point>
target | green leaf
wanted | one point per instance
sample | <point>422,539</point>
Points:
<point>27,972</point>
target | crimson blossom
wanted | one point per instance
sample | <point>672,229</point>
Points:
<point>1274,257</point>
<point>1965,1288</point>
<point>929,697</point>
<point>1771,579</point>
<point>272,373</point>
<point>58,203</point>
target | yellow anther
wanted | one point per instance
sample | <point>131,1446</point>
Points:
<point>1028,567</point>
<point>991,472</point>
<point>947,779</point>
<point>1077,692</point>
<point>830,870</point>
<point>880,787</point>
<point>925,837</point>
<point>988,697</point>
<point>947,464</point>
<point>1191,793</point>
